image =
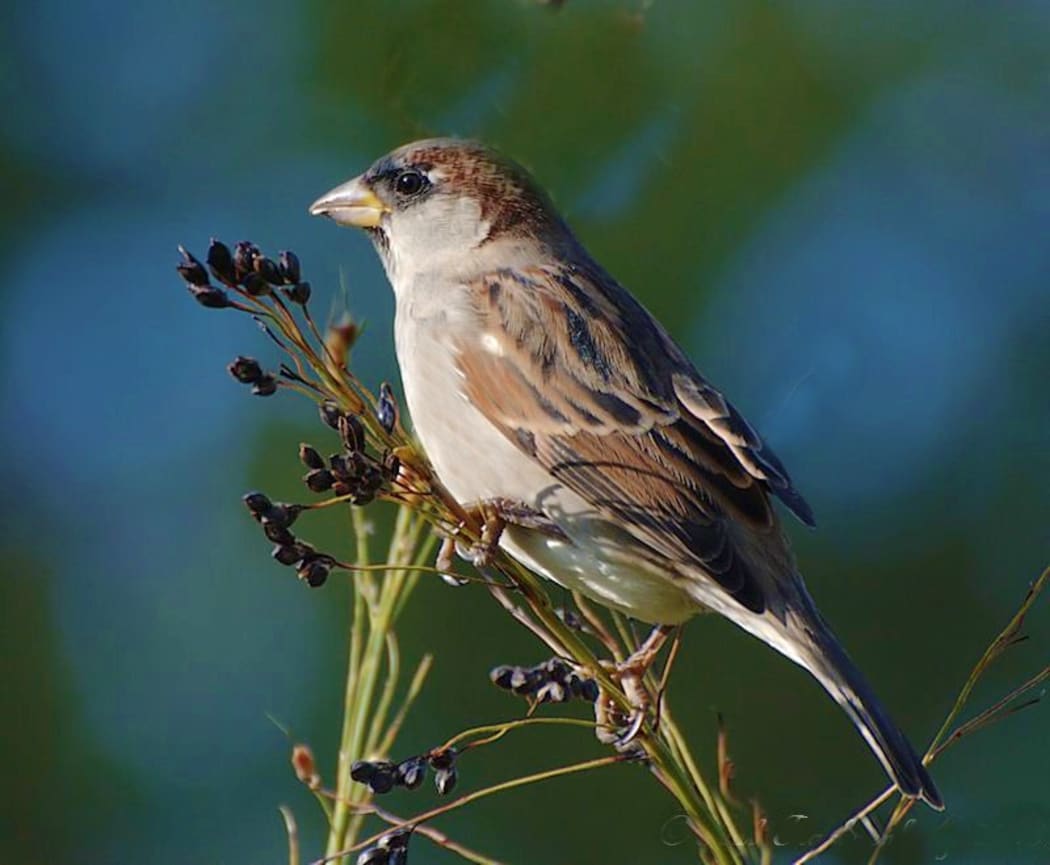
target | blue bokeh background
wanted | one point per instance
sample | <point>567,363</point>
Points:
<point>841,209</point>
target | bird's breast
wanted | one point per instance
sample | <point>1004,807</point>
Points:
<point>470,455</point>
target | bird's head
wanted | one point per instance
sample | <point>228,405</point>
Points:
<point>442,202</point>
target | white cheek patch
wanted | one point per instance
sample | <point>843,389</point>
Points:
<point>442,229</point>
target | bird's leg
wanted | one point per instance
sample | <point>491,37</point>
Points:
<point>631,674</point>
<point>641,659</point>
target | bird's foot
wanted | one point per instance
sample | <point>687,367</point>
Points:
<point>617,727</point>
<point>631,674</point>
<point>494,515</point>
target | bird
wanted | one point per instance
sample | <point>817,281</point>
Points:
<point>533,377</point>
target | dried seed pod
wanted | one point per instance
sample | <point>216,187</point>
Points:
<point>371,480</point>
<point>502,676</point>
<point>589,690</point>
<point>282,515</point>
<point>255,285</point>
<point>373,856</point>
<point>396,840</point>
<point>245,369</point>
<point>244,255</point>
<point>278,535</point>
<point>445,780</point>
<point>362,771</point>
<point>288,554</point>
<point>411,772</point>
<point>386,409</point>
<point>383,780</point>
<point>573,685</point>
<point>288,265</point>
<point>210,297</point>
<point>527,681</point>
<point>258,503</point>
<point>339,466</point>
<point>191,270</point>
<point>298,293</point>
<point>556,669</point>
<point>267,269</point>
<point>314,572</point>
<point>442,759</point>
<point>220,262</point>
<point>265,386</point>
<point>330,414</point>
<point>351,432</point>
<point>319,480</point>
<point>310,457</point>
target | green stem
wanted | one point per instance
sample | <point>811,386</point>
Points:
<point>373,606</point>
<point>339,820</point>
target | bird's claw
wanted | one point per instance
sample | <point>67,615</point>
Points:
<point>494,515</point>
<point>620,729</point>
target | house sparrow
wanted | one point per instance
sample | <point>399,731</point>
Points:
<point>533,377</point>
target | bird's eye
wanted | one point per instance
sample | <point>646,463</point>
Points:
<point>409,182</point>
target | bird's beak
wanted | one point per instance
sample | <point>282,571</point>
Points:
<point>353,203</point>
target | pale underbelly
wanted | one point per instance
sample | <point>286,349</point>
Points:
<point>630,587</point>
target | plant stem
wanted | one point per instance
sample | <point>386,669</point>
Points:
<point>364,719</point>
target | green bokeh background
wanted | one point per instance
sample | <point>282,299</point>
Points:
<point>840,210</point>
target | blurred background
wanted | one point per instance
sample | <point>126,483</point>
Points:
<point>842,210</point>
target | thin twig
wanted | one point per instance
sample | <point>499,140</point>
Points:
<point>846,827</point>
<point>497,731</point>
<point>437,837</point>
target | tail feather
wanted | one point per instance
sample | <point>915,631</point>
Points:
<point>827,660</point>
<point>792,625</point>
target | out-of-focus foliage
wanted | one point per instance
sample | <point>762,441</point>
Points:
<point>840,209</point>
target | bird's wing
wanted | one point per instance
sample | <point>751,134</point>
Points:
<point>582,379</point>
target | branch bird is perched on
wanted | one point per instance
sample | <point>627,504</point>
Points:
<point>533,377</point>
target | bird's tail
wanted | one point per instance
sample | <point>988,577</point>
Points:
<point>826,659</point>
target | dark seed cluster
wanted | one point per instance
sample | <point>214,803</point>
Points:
<point>382,776</point>
<point>553,681</point>
<point>355,472</point>
<point>275,518</point>
<point>247,370</point>
<point>196,277</point>
<point>391,849</point>
<point>245,269</point>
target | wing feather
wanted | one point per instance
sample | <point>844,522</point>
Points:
<point>581,378</point>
